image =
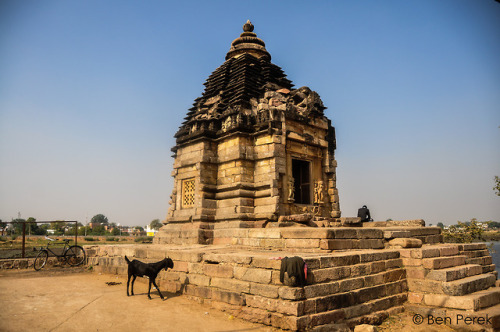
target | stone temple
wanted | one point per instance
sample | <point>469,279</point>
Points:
<point>255,188</point>
<point>252,147</point>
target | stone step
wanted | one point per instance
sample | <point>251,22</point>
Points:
<point>356,297</point>
<point>443,262</point>
<point>455,273</point>
<point>430,251</point>
<point>350,284</point>
<point>456,288</point>
<point>469,284</point>
<point>350,313</point>
<point>482,320</point>
<point>475,301</point>
<point>485,260</point>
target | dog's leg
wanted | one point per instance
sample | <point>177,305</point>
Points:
<point>149,289</point>
<point>158,288</point>
<point>132,288</point>
<point>128,281</point>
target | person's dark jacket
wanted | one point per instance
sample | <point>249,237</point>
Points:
<point>364,214</point>
<point>294,267</point>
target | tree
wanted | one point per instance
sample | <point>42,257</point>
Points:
<point>2,225</point>
<point>496,188</point>
<point>18,225</point>
<point>493,224</point>
<point>440,225</point>
<point>464,232</point>
<point>156,224</point>
<point>139,228</point>
<point>99,219</point>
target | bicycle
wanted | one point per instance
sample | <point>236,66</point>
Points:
<point>73,255</point>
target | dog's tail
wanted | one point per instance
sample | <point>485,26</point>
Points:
<point>128,260</point>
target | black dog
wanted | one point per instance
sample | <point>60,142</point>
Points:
<point>151,270</point>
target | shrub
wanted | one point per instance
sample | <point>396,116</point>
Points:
<point>89,238</point>
<point>144,239</point>
<point>464,232</point>
<point>110,238</point>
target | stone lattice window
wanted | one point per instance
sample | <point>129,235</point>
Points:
<point>187,193</point>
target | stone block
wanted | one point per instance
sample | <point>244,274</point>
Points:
<point>416,272</point>
<point>365,328</point>
<point>472,246</point>
<point>446,301</point>
<point>203,292</point>
<point>291,293</point>
<point>371,256</point>
<point>255,315</point>
<point>330,274</point>
<point>443,262</point>
<point>180,266</point>
<point>366,233</point>
<point>339,244</point>
<point>448,274</point>
<point>425,253</point>
<point>261,276</point>
<point>370,293</point>
<point>266,263</point>
<point>351,284</point>
<point>357,310</point>
<point>198,279</point>
<point>374,279</point>
<point>218,270</point>
<point>371,244</point>
<point>415,297</point>
<point>345,233</point>
<point>393,263</point>
<point>405,243</point>
<point>307,233</point>
<point>289,322</point>
<point>302,243</point>
<point>391,234</point>
<point>272,243</point>
<point>338,260</point>
<point>451,250</point>
<point>231,284</point>
<point>270,291</point>
<point>196,268</point>
<point>424,286</point>
<point>468,285</point>
<point>295,308</point>
<point>322,289</point>
<point>360,270</point>
<point>228,258</point>
<point>228,297</point>
<point>376,267</point>
<point>268,233</point>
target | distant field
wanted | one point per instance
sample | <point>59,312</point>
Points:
<point>10,248</point>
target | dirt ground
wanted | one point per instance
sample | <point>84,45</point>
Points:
<point>71,299</point>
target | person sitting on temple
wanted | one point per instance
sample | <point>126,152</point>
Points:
<point>364,214</point>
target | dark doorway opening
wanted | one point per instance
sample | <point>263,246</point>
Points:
<point>301,172</point>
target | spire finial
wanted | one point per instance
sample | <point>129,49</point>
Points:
<point>248,27</point>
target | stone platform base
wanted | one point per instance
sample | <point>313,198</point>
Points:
<point>297,237</point>
<point>343,287</point>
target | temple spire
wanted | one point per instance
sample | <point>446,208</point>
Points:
<point>248,43</point>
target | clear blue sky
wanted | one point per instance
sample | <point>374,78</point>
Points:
<point>92,92</point>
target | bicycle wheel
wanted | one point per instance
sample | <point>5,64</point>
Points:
<point>40,260</point>
<point>75,255</point>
